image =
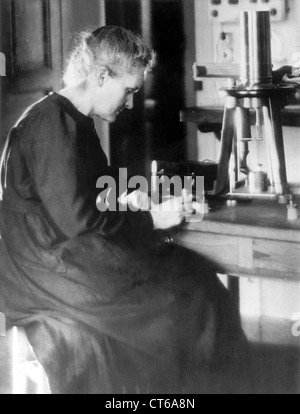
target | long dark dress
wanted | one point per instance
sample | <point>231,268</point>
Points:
<point>106,309</point>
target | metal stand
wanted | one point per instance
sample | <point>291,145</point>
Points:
<point>236,130</point>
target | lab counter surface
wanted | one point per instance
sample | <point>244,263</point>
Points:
<point>253,238</point>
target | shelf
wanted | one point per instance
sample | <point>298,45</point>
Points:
<point>210,118</point>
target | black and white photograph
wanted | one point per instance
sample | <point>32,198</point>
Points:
<point>149,199</point>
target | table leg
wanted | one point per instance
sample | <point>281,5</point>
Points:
<point>274,136</point>
<point>234,291</point>
<point>226,145</point>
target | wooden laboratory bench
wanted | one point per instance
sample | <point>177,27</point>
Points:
<point>252,239</point>
<point>210,118</point>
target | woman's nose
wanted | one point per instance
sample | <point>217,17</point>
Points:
<point>129,103</point>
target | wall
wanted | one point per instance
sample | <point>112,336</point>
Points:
<point>189,86</point>
<point>207,144</point>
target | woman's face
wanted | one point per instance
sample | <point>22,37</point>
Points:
<point>114,94</point>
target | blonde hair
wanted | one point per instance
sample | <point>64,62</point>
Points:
<point>113,47</point>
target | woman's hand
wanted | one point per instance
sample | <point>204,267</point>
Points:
<point>172,212</point>
<point>293,79</point>
<point>137,200</point>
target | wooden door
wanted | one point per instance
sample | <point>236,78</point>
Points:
<point>32,43</point>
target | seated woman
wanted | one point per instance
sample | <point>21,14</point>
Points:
<point>104,307</point>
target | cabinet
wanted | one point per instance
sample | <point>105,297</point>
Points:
<point>253,239</point>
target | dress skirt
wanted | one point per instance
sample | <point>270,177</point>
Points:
<point>104,317</point>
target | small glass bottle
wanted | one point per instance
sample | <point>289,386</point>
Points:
<point>292,211</point>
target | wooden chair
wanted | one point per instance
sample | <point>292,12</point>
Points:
<point>20,371</point>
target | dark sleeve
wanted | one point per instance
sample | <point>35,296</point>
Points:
<point>280,73</point>
<point>64,185</point>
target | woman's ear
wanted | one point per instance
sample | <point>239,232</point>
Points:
<point>102,74</point>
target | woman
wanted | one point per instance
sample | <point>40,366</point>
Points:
<point>105,309</point>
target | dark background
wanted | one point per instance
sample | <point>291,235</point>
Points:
<point>154,127</point>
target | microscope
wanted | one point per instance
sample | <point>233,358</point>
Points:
<point>251,93</point>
